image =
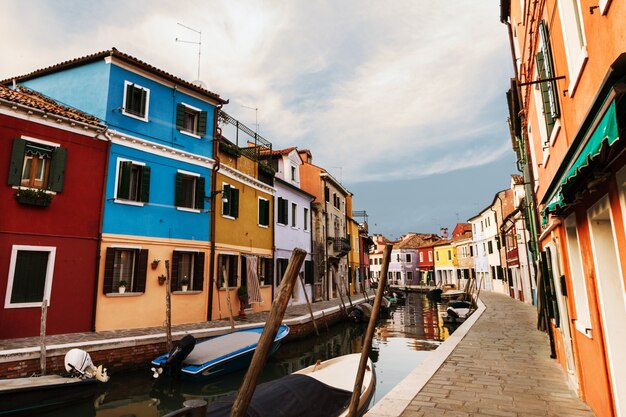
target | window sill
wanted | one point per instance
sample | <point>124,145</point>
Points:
<point>584,328</point>
<point>228,217</point>
<point>134,116</point>
<point>262,226</point>
<point>188,209</point>
<point>188,292</point>
<point>187,133</point>
<point>126,294</point>
<point>129,202</point>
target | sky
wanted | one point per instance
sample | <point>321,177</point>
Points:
<point>403,101</point>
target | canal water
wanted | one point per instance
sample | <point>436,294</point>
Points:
<point>405,337</point>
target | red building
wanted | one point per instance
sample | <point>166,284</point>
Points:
<point>53,158</point>
<point>426,263</point>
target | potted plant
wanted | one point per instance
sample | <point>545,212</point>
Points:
<point>155,263</point>
<point>184,283</point>
<point>242,294</point>
<point>33,197</point>
<point>162,279</point>
<point>121,286</point>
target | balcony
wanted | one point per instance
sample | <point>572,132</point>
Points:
<point>341,245</point>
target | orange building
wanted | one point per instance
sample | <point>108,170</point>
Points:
<point>568,114</point>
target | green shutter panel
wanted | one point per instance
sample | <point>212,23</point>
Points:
<point>109,266</point>
<point>198,272</point>
<point>180,116</point>
<point>174,274</point>
<point>266,209</point>
<point>178,190</point>
<point>129,97</point>
<point>545,93</point>
<point>17,161</point>
<point>202,117</point>
<point>123,182</point>
<point>57,169</point>
<point>200,184</point>
<point>144,99</point>
<point>234,208</point>
<point>141,270</point>
<point>145,184</point>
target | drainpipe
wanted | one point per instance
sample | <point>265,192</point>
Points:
<point>217,134</point>
<point>100,222</point>
<point>325,292</point>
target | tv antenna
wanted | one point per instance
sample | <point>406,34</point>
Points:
<point>256,115</point>
<point>199,43</point>
<point>340,174</point>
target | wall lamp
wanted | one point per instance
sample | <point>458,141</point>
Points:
<point>215,193</point>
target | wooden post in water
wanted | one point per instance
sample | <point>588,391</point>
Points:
<point>42,336</point>
<point>242,401</point>
<point>308,304</point>
<point>369,334</point>
<point>168,307</point>
<point>228,303</point>
<point>343,305</point>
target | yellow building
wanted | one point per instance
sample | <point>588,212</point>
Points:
<point>353,255</point>
<point>243,232</point>
<point>445,261</point>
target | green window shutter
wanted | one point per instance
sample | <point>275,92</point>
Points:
<point>141,269</point>
<point>174,274</point>
<point>29,278</point>
<point>226,205</point>
<point>144,99</point>
<point>198,272</point>
<point>123,183</point>
<point>109,265</point>
<point>200,184</point>
<point>202,118</point>
<point>545,92</point>
<point>178,190</point>
<point>280,210</point>
<point>57,169</point>
<point>234,208</point>
<point>17,161</point>
<point>129,97</point>
<point>145,184</point>
<point>180,116</point>
<point>263,215</point>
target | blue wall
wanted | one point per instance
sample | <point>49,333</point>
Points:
<point>159,218</point>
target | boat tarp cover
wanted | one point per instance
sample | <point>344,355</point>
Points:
<point>292,395</point>
<point>220,346</point>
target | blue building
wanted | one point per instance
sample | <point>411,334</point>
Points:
<point>158,182</point>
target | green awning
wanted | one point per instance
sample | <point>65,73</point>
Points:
<point>605,133</point>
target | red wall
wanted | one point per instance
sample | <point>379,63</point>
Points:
<point>70,223</point>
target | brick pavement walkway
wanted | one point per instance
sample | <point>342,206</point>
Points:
<point>502,367</point>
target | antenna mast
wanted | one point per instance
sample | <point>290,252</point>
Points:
<point>199,43</point>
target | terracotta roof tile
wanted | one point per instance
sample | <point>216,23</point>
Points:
<point>35,100</point>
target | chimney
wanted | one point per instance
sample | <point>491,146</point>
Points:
<point>444,232</point>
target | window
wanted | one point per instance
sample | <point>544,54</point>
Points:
<point>30,276</point>
<point>189,191</point>
<point>230,201</point>
<point>449,255</point>
<point>227,270</point>
<point>37,164</point>
<point>308,272</point>
<point>545,70</point>
<point>281,267</point>
<point>189,266</point>
<point>293,173</point>
<point>136,99</point>
<point>133,181</point>
<point>574,37</point>
<point>437,255</point>
<point>583,317</point>
<point>264,212</point>
<point>326,194</point>
<point>283,214</point>
<point>430,256</point>
<point>294,214</point>
<point>190,119</point>
<point>490,247</point>
<point>421,257</point>
<point>265,270</point>
<point>125,264</point>
<point>397,257</point>
<point>408,257</point>
<point>306,219</point>
<point>409,276</point>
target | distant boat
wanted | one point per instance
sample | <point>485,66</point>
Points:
<point>215,356</point>
<point>323,389</point>
<point>458,311</point>
<point>36,394</point>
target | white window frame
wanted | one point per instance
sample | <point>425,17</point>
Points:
<point>191,174</point>
<point>134,116</point>
<point>49,275</point>
<point>117,178</point>
<point>579,284</point>
<point>259,214</point>
<point>187,132</point>
<point>576,54</point>
<point>421,257</point>
<point>294,215</point>
<point>306,219</point>
<point>226,216</point>
<point>430,256</point>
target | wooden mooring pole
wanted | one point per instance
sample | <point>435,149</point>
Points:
<point>369,334</point>
<point>168,307</point>
<point>42,336</point>
<point>275,318</point>
<point>308,304</point>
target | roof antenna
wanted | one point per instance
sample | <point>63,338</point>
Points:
<point>199,43</point>
<point>256,115</point>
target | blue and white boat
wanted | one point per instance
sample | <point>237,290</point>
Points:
<point>215,356</point>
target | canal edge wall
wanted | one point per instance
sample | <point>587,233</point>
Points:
<point>399,398</point>
<point>136,352</point>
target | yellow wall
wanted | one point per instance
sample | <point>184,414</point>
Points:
<point>125,311</point>
<point>442,252</point>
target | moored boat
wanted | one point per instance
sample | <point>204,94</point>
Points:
<point>215,356</point>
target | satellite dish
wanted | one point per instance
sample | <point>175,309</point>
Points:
<point>199,83</point>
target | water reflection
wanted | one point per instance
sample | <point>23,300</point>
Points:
<point>404,336</point>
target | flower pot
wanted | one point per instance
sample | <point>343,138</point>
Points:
<point>121,290</point>
<point>154,265</point>
<point>162,279</point>
<point>184,287</point>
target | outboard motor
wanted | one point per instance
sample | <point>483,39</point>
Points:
<point>176,357</point>
<point>78,363</point>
